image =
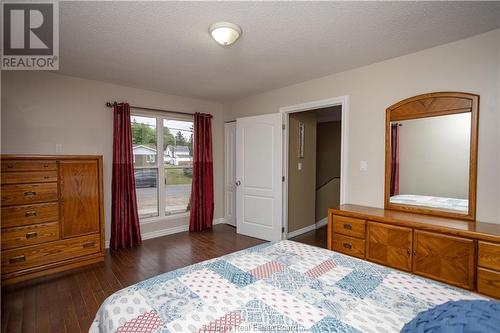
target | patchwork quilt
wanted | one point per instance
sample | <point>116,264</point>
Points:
<point>274,287</point>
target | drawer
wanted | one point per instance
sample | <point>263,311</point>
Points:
<point>488,282</point>
<point>29,214</point>
<point>29,193</point>
<point>349,226</point>
<point>28,165</point>
<point>29,235</point>
<point>37,255</point>
<point>489,255</point>
<point>349,245</point>
<point>29,177</point>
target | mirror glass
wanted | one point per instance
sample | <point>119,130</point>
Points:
<point>430,162</point>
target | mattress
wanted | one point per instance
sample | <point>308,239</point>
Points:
<point>275,287</point>
<point>461,205</point>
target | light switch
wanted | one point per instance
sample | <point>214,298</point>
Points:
<point>299,166</point>
<point>363,165</point>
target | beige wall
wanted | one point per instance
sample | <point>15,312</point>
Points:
<point>40,110</point>
<point>469,65</point>
<point>301,183</point>
<point>434,156</point>
<point>327,167</point>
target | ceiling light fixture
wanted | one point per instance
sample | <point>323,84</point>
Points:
<point>225,33</point>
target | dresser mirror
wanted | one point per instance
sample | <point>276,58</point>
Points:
<point>431,155</point>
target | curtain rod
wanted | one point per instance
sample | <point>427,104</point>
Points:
<point>110,105</point>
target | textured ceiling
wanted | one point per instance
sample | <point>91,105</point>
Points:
<point>165,46</point>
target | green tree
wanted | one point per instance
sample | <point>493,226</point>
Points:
<point>180,140</point>
<point>143,134</point>
<point>168,137</point>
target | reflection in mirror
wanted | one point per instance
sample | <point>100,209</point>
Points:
<point>430,162</point>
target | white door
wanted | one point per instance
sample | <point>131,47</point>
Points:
<point>230,173</point>
<point>258,176</point>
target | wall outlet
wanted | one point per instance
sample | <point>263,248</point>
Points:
<point>59,147</point>
<point>299,166</point>
<point>363,165</point>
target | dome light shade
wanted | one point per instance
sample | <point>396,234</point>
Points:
<point>225,33</point>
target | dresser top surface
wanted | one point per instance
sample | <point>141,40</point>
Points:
<point>474,229</point>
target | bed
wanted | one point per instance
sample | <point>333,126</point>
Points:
<point>275,287</point>
<point>460,205</point>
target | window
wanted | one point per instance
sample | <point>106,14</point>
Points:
<point>163,181</point>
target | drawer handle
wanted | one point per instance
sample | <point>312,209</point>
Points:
<point>29,193</point>
<point>17,259</point>
<point>10,166</point>
<point>348,226</point>
<point>45,177</point>
<point>347,245</point>
<point>45,165</point>
<point>30,213</point>
<point>32,234</point>
<point>88,244</point>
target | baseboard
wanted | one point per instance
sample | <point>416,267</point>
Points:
<point>220,220</point>
<point>321,223</point>
<point>169,231</point>
<point>317,225</point>
<point>301,231</point>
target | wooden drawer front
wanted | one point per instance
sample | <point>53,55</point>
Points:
<point>349,245</point>
<point>445,258</point>
<point>29,214</point>
<point>27,194</point>
<point>489,255</point>
<point>29,177</point>
<point>29,235</point>
<point>28,165</point>
<point>488,282</point>
<point>349,226</point>
<point>389,245</point>
<point>37,255</point>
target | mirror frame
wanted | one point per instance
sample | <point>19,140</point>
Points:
<point>432,105</point>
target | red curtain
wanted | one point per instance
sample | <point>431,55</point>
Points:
<point>202,188</point>
<point>125,229</point>
<point>394,159</point>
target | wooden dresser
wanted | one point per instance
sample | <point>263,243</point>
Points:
<point>461,253</point>
<point>52,214</point>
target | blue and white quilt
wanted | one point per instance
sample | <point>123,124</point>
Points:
<point>275,287</point>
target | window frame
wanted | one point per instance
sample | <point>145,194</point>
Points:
<point>160,164</point>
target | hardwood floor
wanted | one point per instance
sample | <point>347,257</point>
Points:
<point>316,237</point>
<point>67,302</point>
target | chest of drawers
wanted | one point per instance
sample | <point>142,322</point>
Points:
<point>51,213</point>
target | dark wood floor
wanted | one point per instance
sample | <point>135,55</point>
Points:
<point>67,302</point>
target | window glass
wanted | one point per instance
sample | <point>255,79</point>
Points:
<point>144,141</point>
<point>146,187</point>
<point>178,161</point>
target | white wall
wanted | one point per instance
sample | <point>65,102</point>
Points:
<point>41,109</point>
<point>469,65</point>
<point>434,156</point>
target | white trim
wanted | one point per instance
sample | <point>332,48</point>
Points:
<point>164,232</point>
<point>219,220</point>
<point>169,231</point>
<point>313,105</point>
<point>301,231</point>
<point>319,224</point>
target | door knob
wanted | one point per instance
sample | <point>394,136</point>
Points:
<point>238,183</point>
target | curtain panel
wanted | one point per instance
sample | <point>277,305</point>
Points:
<point>202,188</point>
<point>125,228</point>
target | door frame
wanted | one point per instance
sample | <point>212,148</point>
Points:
<point>343,101</point>
<point>225,170</point>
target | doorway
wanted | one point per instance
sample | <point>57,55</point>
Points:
<point>315,163</point>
